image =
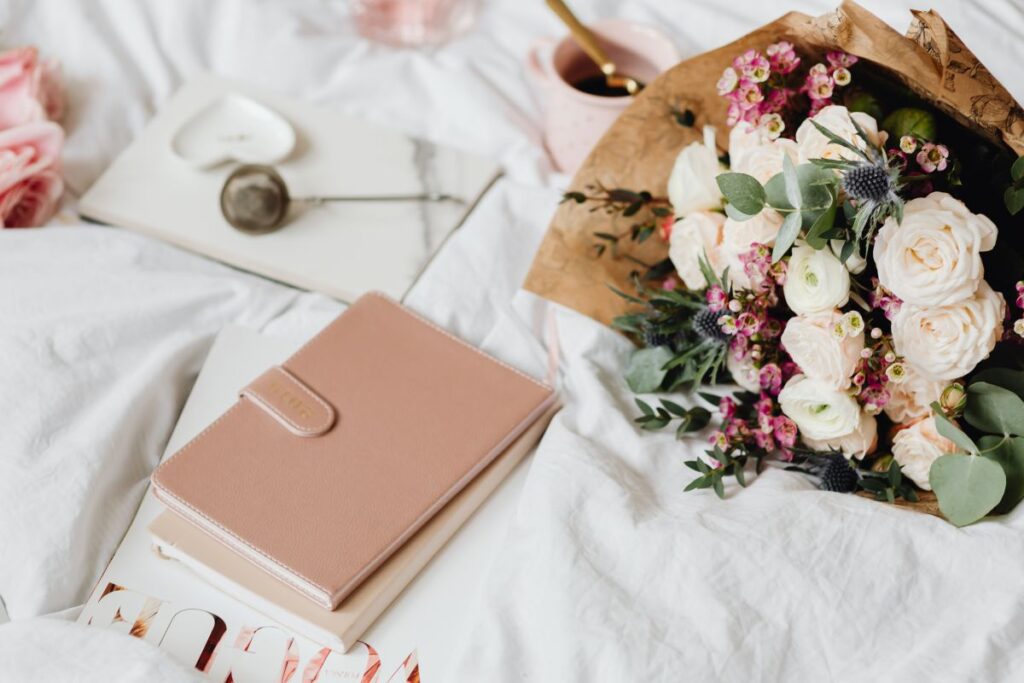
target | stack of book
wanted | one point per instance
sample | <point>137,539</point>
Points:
<point>327,485</point>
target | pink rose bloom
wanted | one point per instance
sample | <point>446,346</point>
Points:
<point>30,180</point>
<point>29,89</point>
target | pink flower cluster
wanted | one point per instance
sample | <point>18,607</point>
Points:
<point>879,366</point>
<point>823,79</point>
<point>758,267</point>
<point>30,141</point>
<point>884,300</point>
<point>755,84</point>
<point>1018,324</point>
<point>766,429</point>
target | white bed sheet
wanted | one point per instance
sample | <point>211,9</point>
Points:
<point>609,572</point>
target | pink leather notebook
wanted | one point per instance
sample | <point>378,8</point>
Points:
<point>328,463</point>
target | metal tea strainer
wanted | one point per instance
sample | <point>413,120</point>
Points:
<point>255,199</point>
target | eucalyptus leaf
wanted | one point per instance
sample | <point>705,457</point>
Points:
<point>1013,198</point>
<point>822,224</point>
<point>743,191</point>
<point>792,183</point>
<point>1009,454</point>
<point>787,235</point>
<point>968,487</point>
<point>646,369</point>
<point>1003,377</point>
<point>951,431</point>
<point>732,212</point>
<point>994,409</point>
<point>816,188</point>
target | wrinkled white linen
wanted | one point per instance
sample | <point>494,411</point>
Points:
<point>609,572</point>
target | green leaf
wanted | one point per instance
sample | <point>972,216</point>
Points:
<point>673,407</point>
<point>719,486</point>
<point>847,251</point>
<point>1017,170</point>
<point>816,235</point>
<point>787,235</point>
<point>743,191</point>
<point>644,408</point>
<point>1013,197</point>
<point>1003,377</point>
<point>951,431</point>
<point>1009,454</point>
<point>967,486</point>
<point>792,183</point>
<point>732,212</point>
<point>838,140</point>
<point>994,409</point>
<point>646,369</point>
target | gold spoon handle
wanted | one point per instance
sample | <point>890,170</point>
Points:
<point>583,35</point>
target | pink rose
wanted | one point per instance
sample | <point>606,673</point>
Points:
<point>30,180</point>
<point>29,89</point>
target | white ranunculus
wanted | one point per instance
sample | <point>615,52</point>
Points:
<point>815,281</point>
<point>743,373</point>
<point>691,185</point>
<point>820,411</point>
<point>737,236</point>
<point>753,153</point>
<point>856,444</point>
<point>813,345</point>
<point>697,235</point>
<point>855,263</point>
<point>837,119</point>
<point>946,342</point>
<point>911,399</point>
<point>933,257</point>
<point>916,447</point>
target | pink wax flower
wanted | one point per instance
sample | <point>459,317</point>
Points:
<point>716,298</point>
<point>29,88</point>
<point>836,58</point>
<point>933,157</point>
<point>727,407</point>
<point>764,440</point>
<point>749,95</point>
<point>782,57</point>
<point>784,430</point>
<point>728,81</point>
<point>770,378</point>
<point>30,181</point>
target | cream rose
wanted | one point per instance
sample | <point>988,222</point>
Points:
<point>856,444</point>
<point>916,447</point>
<point>812,144</point>
<point>737,236</point>
<point>821,412</point>
<point>912,398</point>
<point>933,257</point>
<point>691,185</point>
<point>819,352</point>
<point>946,342</point>
<point>815,281</point>
<point>697,235</point>
<point>743,373</point>
<point>751,152</point>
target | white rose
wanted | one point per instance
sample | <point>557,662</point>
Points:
<point>916,447</point>
<point>837,119</point>
<point>855,263</point>
<point>856,444</point>
<point>691,185</point>
<point>743,373</point>
<point>815,281</point>
<point>912,398</point>
<point>696,236</point>
<point>946,342</point>
<point>933,257</point>
<point>821,412</point>
<point>751,152</point>
<point>819,352</point>
<point>737,236</point>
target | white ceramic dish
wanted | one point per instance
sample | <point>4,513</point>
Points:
<point>233,127</point>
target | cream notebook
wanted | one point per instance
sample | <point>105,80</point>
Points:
<point>341,249</point>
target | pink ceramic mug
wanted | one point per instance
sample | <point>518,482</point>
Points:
<point>575,120</point>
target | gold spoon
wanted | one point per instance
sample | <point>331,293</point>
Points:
<point>255,199</point>
<point>586,39</point>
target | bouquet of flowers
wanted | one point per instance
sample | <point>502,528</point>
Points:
<point>31,102</point>
<point>847,261</point>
